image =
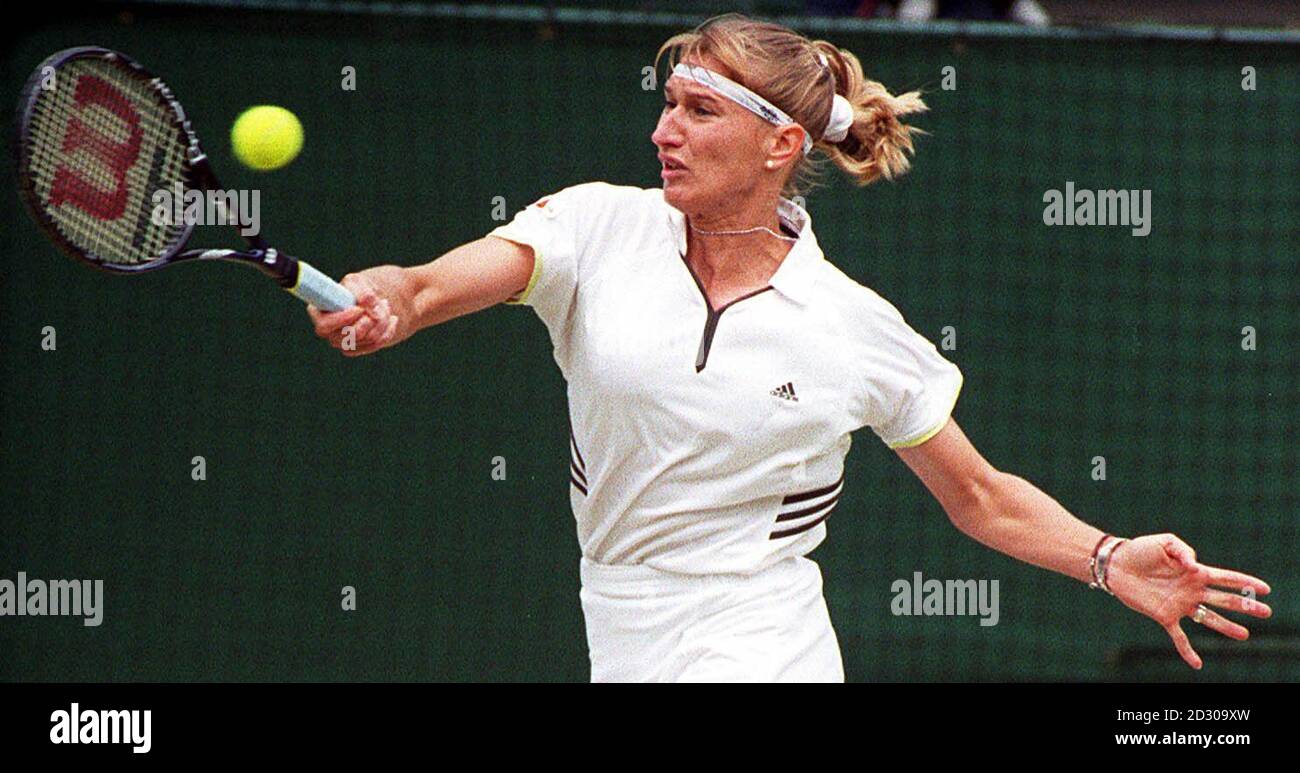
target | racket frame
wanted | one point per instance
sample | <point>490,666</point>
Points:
<point>286,270</point>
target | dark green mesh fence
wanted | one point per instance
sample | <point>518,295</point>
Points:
<point>1077,342</point>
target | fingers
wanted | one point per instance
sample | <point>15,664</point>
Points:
<point>1183,553</point>
<point>375,341</point>
<point>374,331</point>
<point>1201,577</point>
<point>1217,622</point>
<point>391,333</point>
<point>1237,603</point>
<point>1237,580</point>
<point>1180,551</point>
<point>1183,646</point>
<point>361,329</point>
<point>360,332</point>
<point>363,290</point>
<point>329,323</point>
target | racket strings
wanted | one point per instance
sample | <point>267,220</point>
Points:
<point>101,143</point>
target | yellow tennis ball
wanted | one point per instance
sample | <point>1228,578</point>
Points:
<point>266,137</point>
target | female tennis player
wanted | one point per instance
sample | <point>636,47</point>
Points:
<point>717,363</point>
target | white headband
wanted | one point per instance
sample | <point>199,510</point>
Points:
<point>836,130</point>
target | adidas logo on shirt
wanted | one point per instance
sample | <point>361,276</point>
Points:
<point>785,391</point>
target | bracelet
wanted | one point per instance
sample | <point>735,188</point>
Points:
<point>1092,560</point>
<point>1099,563</point>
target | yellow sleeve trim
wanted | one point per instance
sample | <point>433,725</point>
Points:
<point>961,378</point>
<point>522,297</point>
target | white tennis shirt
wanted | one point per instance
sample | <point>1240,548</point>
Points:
<point>706,442</point>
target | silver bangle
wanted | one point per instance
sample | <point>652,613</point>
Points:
<point>1092,561</point>
<point>1101,564</point>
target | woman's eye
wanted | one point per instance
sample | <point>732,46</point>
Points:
<point>698,110</point>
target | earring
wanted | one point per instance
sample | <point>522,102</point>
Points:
<point>769,164</point>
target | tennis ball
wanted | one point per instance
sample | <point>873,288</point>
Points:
<point>266,137</point>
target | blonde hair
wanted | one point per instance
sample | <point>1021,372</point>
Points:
<point>785,68</point>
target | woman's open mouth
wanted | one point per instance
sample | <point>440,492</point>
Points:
<point>671,167</point>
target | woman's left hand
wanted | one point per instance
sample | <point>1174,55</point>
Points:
<point>1158,576</point>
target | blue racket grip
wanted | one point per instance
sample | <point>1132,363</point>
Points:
<point>321,291</point>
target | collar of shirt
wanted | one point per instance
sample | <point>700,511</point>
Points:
<point>794,277</point>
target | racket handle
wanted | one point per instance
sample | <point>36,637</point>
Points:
<point>320,291</point>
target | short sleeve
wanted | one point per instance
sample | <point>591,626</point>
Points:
<point>910,388</point>
<point>551,226</point>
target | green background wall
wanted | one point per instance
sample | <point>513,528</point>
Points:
<point>375,473</point>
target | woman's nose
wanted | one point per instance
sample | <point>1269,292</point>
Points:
<point>666,131</point>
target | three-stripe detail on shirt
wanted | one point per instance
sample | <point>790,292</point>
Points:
<point>577,467</point>
<point>801,512</point>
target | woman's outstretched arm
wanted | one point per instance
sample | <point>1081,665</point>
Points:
<point>1157,575</point>
<point>394,303</point>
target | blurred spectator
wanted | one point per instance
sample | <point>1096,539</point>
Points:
<point>1022,11</point>
<point>866,8</point>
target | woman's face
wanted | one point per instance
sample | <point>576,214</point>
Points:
<point>711,149</point>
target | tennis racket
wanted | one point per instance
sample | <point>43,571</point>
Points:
<point>98,136</point>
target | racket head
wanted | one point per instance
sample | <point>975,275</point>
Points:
<point>97,135</point>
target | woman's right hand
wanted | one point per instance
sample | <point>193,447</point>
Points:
<point>381,317</point>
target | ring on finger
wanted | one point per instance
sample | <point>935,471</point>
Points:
<point>1201,612</point>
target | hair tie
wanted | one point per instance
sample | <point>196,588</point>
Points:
<point>841,120</point>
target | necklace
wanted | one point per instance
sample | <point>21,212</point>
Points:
<point>745,231</point>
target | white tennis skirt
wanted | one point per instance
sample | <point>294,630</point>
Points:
<point>646,625</point>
